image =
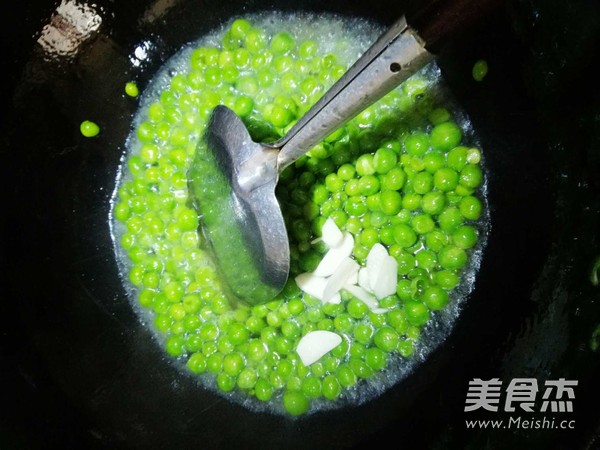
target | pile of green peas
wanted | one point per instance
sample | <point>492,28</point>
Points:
<point>397,174</point>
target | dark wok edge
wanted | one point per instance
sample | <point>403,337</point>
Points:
<point>550,333</point>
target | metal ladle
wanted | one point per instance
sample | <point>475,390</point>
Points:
<point>233,178</point>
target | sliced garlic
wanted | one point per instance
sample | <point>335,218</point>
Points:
<point>363,279</point>
<point>311,284</point>
<point>334,257</point>
<point>381,272</point>
<point>315,344</point>
<point>332,236</point>
<point>386,278</point>
<point>362,295</point>
<point>347,269</point>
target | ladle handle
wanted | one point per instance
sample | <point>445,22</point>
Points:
<point>393,58</point>
<point>397,54</point>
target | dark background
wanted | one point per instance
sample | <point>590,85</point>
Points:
<point>77,369</point>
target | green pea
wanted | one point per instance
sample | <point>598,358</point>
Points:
<point>473,156</point>
<point>439,115</point>
<point>295,402</point>
<point>393,180</point>
<point>162,322</point>
<point>296,306</point>
<point>411,202</point>
<point>471,176</point>
<point>346,375</point>
<point>311,386</point>
<point>197,363</point>
<point>331,387</point>
<point>365,165</point>
<point>356,206</point>
<point>446,279</point>
<point>239,28</point>
<point>233,364</point>
<point>406,348</point>
<point>174,292</point>
<point>175,346</point>
<point>404,235</point>
<point>404,289</point>
<point>343,323</point>
<point>470,207</point>
<point>373,204</point>
<point>452,257</point>
<point>334,183</point>
<point>433,161</point>
<point>450,219</point>
<point>390,202</point>
<point>416,144</point>
<point>386,235</point>
<point>193,342</point>
<point>238,333</point>
<point>384,160</point>
<point>457,158</point>
<point>89,129</point>
<point>433,202</point>
<point>423,182</point>
<point>445,179</point>
<point>480,70</point>
<point>397,319</point>
<point>360,368</point>
<point>423,223</point>
<point>406,262</point>
<point>177,311</point>
<point>357,309</point>
<point>281,117</point>
<point>416,312</point>
<point>426,259</point>
<point>386,338</point>
<point>263,390</point>
<point>131,89</point>
<point>352,187</point>
<point>445,136</point>
<point>435,298</point>
<point>247,378</point>
<point>368,184</point>
<point>282,43</point>
<point>376,358</point>
<point>225,382</point>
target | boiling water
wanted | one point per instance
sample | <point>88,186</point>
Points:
<point>347,39</point>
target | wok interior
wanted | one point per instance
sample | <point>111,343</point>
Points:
<point>88,371</point>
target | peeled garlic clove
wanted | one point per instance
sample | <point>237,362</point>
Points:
<point>334,257</point>
<point>315,344</point>
<point>336,299</point>
<point>363,296</point>
<point>347,269</point>
<point>311,284</point>
<point>374,260</point>
<point>386,278</point>
<point>332,236</point>
<point>363,279</point>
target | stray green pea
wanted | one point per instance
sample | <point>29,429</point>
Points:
<point>89,129</point>
<point>480,70</point>
<point>131,89</point>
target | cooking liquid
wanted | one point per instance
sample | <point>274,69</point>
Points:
<point>347,39</point>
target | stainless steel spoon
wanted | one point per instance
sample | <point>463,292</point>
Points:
<point>233,178</point>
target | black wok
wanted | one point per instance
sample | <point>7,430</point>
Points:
<point>79,370</point>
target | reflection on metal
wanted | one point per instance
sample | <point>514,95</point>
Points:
<point>141,52</point>
<point>70,26</point>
